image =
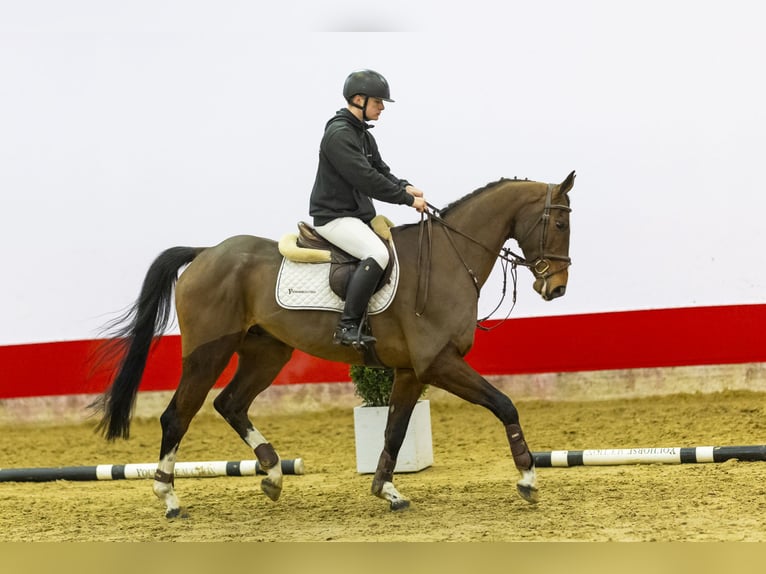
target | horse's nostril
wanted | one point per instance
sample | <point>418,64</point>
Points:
<point>558,291</point>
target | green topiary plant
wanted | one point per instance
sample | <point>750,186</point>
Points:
<point>372,384</point>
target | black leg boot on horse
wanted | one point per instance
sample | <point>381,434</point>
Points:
<point>360,288</point>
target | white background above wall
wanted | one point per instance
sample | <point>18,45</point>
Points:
<point>129,128</point>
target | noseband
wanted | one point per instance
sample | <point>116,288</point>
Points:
<point>540,267</point>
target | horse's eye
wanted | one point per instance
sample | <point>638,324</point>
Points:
<point>561,225</point>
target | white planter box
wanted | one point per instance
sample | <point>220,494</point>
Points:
<point>369,427</point>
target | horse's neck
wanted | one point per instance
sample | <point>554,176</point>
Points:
<point>488,219</point>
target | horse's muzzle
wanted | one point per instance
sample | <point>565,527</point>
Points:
<point>556,292</point>
<point>551,287</point>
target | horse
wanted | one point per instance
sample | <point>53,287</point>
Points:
<point>225,305</point>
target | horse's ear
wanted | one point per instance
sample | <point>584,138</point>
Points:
<point>567,184</point>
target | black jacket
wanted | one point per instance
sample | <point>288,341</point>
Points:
<point>351,173</point>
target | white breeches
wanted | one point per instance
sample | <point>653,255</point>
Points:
<point>355,238</point>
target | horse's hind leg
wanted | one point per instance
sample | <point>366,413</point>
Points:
<point>261,357</point>
<point>200,370</point>
<point>450,372</point>
<point>406,391</point>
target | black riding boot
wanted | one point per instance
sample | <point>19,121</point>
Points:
<point>360,288</point>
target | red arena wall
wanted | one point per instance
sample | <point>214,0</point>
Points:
<point>587,342</point>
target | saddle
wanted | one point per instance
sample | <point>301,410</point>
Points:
<point>310,247</point>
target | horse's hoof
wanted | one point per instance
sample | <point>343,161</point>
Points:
<point>270,489</point>
<point>400,504</point>
<point>528,493</point>
<point>175,513</point>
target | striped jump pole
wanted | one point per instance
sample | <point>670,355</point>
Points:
<point>144,470</point>
<point>668,455</point>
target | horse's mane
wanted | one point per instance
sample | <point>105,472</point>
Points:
<point>443,211</point>
<point>476,192</point>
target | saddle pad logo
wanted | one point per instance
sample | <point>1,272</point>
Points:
<point>307,286</point>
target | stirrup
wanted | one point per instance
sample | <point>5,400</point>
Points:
<point>352,337</point>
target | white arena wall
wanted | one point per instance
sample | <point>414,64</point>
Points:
<point>127,129</point>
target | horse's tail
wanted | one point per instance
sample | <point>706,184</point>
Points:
<point>130,339</point>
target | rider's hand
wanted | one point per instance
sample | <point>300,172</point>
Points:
<point>420,204</point>
<point>414,191</point>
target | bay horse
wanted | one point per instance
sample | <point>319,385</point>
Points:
<point>225,305</point>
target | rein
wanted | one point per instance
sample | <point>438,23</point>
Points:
<point>540,267</point>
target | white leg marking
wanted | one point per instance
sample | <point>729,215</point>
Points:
<point>389,493</point>
<point>527,486</point>
<point>528,477</point>
<point>254,438</point>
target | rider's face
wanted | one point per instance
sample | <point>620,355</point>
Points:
<point>374,107</point>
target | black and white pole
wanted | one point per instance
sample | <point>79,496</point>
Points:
<point>668,455</point>
<point>144,470</point>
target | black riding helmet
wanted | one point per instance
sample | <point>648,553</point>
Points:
<point>367,83</point>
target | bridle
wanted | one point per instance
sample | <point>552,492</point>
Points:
<point>540,266</point>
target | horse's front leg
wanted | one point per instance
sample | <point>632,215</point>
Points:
<point>450,372</point>
<point>525,463</point>
<point>405,393</point>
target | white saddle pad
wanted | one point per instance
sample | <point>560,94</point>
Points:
<point>307,286</point>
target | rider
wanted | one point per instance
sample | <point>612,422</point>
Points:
<point>350,174</point>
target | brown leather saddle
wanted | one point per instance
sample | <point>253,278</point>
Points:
<point>342,264</point>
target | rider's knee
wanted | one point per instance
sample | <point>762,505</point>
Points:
<point>381,257</point>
